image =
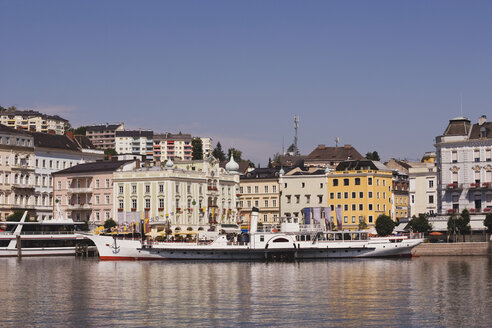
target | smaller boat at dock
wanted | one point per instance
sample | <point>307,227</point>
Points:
<point>292,241</point>
<point>46,238</point>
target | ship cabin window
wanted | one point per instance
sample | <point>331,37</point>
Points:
<point>262,238</point>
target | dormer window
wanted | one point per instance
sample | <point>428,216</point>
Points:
<point>483,132</point>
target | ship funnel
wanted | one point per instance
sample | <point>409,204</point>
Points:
<point>253,224</point>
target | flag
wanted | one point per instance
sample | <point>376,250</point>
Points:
<point>328,218</point>
<point>307,215</point>
<point>121,218</point>
<point>317,215</point>
<point>146,226</point>
<point>338,212</point>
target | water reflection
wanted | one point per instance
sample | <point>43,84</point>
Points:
<point>416,292</point>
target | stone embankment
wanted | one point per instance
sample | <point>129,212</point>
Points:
<point>453,249</point>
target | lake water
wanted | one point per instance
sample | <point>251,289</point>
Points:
<point>418,292</point>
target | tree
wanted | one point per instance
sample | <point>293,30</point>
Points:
<point>374,156</point>
<point>81,131</point>
<point>459,224</point>
<point>16,216</point>
<point>291,149</point>
<point>109,223</point>
<point>384,225</point>
<point>464,223</point>
<point>420,223</point>
<point>362,224</point>
<point>452,225</point>
<point>270,164</point>
<point>488,222</point>
<point>110,152</point>
<point>67,126</point>
<point>197,146</point>
<point>218,153</point>
<point>237,154</point>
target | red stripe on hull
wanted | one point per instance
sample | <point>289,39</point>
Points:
<point>129,258</point>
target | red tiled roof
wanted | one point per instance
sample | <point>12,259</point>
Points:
<point>335,154</point>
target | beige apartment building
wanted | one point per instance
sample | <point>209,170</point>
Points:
<point>260,188</point>
<point>423,188</point>
<point>103,136</point>
<point>172,146</point>
<point>302,189</point>
<point>16,171</point>
<point>30,120</point>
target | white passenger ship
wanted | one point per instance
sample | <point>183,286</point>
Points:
<point>45,238</point>
<point>292,242</point>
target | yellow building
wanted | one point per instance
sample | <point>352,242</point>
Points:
<point>362,190</point>
<point>400,196</point>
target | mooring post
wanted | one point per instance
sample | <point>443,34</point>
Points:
<point>19,245</point>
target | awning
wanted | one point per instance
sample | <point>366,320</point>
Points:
<point>477,225</point>
<point>400,227</point>
<point>443,225</point>
<point>186,233</point>
<point>439,225</point>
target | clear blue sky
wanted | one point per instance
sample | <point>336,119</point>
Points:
<point>381,75</point>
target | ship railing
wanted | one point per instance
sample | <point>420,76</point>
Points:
<point>310,228</point>
<point>47,232</point>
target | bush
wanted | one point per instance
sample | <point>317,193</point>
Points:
<point>17,216</point>
<point>109,223</point>
<point>384,225</point>
<point>420,224</point>
<point>488,222</point>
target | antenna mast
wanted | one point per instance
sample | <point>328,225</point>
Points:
<point>461,103</point>
<point>296,126</point>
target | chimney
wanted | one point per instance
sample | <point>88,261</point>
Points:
<point>347,146</point>
<point>137,163</point>
<point>70,135</point>
<point>482,120</point>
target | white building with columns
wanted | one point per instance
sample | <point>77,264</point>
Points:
<point>195,193</point>
<point>464,166</point>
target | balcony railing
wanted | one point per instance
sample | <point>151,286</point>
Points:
<point>22,167</point>
<point>454,186</point>
<point>86,190</point>
<point>23,186</point>
<point>79,207</point>
<point>475,185</point>
<point>22,207</point>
